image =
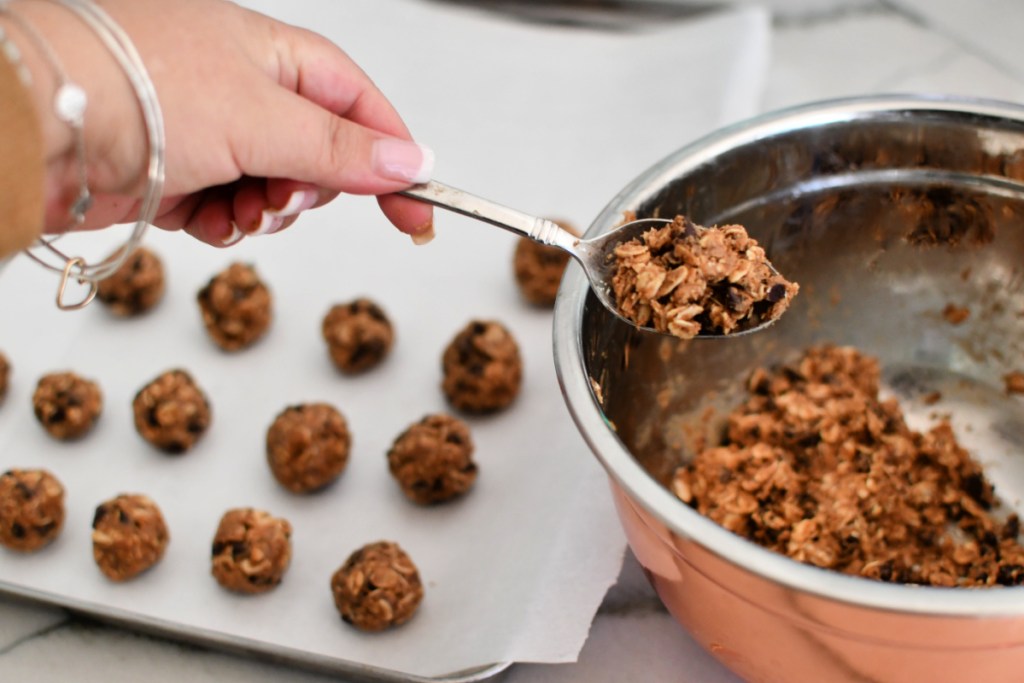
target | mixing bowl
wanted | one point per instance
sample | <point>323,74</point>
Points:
<point>885,210</point>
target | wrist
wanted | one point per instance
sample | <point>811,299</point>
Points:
<point>41,85</point>
<point>111,120</point>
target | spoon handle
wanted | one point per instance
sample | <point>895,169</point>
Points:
<point>537,229</point>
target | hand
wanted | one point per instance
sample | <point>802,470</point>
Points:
<point>263,120</point>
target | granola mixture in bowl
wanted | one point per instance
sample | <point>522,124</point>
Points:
<point>886,211</point>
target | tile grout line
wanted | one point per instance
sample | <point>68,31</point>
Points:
<point>46,630</point>
<point>815,18</point>
<point>922,22</point>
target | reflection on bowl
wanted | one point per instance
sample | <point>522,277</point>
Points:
<point>885,210</point>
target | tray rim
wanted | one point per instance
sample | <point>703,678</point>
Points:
<point>238,646</point>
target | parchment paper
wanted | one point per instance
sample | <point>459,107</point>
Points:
<point>549,120</point>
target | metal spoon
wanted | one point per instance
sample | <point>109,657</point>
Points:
<point>594,255</point>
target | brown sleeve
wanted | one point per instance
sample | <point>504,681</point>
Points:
<point>21,164</point>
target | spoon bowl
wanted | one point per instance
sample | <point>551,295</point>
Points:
<point>595,255</point>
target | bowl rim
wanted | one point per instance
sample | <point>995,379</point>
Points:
<point>657,500</point>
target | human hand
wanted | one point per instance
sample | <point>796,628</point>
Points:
<point>263,120</point>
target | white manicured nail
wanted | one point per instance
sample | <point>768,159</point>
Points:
<point>421,238</point>
<point>402,160</point>
<point>269,223</point>
<point>298,201</point>
<point>234,237</point>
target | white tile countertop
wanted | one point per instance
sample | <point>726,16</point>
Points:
<point>819,49</point>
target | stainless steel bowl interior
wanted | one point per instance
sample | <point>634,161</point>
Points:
<point>885,210</point>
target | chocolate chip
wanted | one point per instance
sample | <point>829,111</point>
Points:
<point>776,294</point>
<point>97,517</point>
<point>26,492</point>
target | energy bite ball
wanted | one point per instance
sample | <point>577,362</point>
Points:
<point>358,335</point>
<point>5,376</point>
<point>482,368</point>
<point>685,279</point>
<point>31,509</point>
<point>251,550</point>
<point>955,315</point>
<point>236,307</point>
<point>129,536</point>
<point>171,412</point>
<point>1014,382</point>
<point>67,405</point>
<point>308,446</point>
<point>377,587</point>
<point>136,287</point>
<point>539,268</point>
<point>432,460</point>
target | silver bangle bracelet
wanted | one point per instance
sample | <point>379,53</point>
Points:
<point>116,40</point>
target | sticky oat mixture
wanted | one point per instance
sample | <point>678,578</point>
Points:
<point>358,334</point>
<point>251,550</point>
<point>814,465</point>
<point>377,587</point>
<point>308,446</point>
<point>136,287</point>
<point>432,460</point>
<point>5,376</point>
<point>539,268</point>
<point>236,307</point>
<point>172,412</point>
<point>685,279</point>
<point>67,405</point>
<point>31,509</point>
<point>129,536</point>
<point>482,367</point>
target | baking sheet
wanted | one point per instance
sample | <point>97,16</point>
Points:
<point>532,116</point>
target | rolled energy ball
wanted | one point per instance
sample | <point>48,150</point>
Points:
<point>129,536</point>
<point>539,268</point>
<point>358,335</point>
<point>308,446</point>
<point>482,368</point>
<point>31,509</point>
<point>5,376</point>
<point>236,307</point>
<point>377,587</point>
<point>67,405</point>
<point>251,550</point>
<point>432,460</point>
<point>136,287</point>
<point>171,412</point>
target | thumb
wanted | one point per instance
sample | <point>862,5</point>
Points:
<point>293,137</point>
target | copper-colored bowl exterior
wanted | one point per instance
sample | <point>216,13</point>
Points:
<point>768,618</point>
<point>770,633</point>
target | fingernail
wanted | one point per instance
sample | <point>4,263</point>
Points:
<point>423,236</point>
<point>402,160</point>
<point>234,237</point>
<point>268,223</point>
<point>298,201</point>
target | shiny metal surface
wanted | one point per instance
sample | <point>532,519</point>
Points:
<point>594,255</point>
<point>884,210</point>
